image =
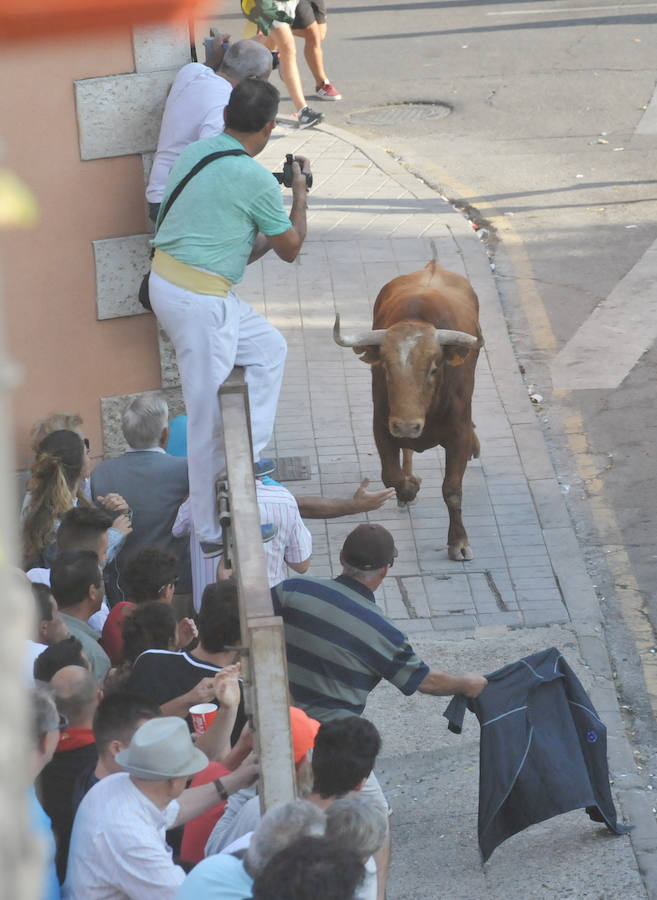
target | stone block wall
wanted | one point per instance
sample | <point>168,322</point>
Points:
<point>120,115</point>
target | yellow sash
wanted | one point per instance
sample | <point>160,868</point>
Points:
<point>189,278</point>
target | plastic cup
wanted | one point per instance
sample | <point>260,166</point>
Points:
<point>202,715</point>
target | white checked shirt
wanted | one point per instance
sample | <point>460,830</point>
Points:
<point>293,542</point>
<point>118,847</point>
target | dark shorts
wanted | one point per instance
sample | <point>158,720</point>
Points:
<point>309,11</point>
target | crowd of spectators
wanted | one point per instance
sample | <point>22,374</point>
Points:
<point>135,802</point>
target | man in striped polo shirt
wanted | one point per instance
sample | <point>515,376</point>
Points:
<point>339,644</point>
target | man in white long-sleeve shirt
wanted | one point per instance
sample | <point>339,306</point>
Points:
<point>195,107</point>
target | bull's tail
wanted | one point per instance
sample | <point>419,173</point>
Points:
<point>432,264</point>
<point>476,447</point>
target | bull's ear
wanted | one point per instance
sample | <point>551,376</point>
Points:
<point>367,354</point>
<point>454,355</point>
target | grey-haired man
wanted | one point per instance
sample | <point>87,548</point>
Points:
<point>153,485</point>
<point>195,107</point>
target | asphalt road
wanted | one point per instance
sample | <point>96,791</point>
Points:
<point>543,146</point>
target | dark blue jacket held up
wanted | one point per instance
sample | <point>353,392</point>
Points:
<point>543,748</point>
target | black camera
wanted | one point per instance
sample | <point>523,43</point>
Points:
<point>285,177</point>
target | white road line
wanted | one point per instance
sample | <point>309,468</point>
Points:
<point>572,9</point>
<point>606,347</point>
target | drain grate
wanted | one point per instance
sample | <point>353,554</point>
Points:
<point>400,112</point>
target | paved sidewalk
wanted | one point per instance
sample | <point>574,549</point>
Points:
<point>369,220</point>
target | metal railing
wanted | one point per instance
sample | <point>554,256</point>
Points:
<point>263,657</point>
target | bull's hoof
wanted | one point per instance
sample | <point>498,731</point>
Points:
<point>460,552</point>
<point>407,490</point>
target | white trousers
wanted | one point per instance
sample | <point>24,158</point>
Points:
<point>210,336</point>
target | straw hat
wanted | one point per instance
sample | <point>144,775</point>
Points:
<point>162,748</point>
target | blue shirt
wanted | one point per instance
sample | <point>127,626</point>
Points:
<point>43,826</point>
<point>177,445</point>
<point>218,877</point>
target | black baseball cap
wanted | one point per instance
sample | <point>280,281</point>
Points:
<point>369,547</point>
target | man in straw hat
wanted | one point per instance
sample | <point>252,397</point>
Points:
<point>118,845</point>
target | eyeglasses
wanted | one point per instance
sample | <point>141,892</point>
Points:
<point>86,443</point>
<point>63,723</point>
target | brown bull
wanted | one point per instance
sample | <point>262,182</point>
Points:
<point>423,352</point>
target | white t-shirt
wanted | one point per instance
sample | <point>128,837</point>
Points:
<point>194,110</point>
<point>118,846</point>
<point>32,650</point>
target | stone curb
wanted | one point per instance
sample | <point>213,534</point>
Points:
<point>561,541</point>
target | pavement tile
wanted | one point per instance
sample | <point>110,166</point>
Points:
<point>413,590</point>
<point>392,601</point>
<point>454,622</point>
<point>500,618</point>
<point>529,596</point>
<point>412,626</point>
<point>549,615</point>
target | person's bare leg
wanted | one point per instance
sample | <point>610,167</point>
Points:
<point>284,42</point>
<point>266,40</point>
<point>312,50</point>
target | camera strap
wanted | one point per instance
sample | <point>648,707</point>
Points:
<point>144,292</point>
<point>188,177</point>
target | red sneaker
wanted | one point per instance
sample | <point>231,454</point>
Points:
<point>326,91</point>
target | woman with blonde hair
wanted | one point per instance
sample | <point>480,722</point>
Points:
<point>57,421</point>
<point>60,467</point>
<point>113,503</point>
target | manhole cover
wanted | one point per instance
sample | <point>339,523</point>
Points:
<point>401,112</point>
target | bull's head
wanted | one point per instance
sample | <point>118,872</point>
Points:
<point>413,356</point>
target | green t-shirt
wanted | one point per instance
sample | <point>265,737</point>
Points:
<point>213,222</point>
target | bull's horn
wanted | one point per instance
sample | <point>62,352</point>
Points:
<point>363,339</point>
<point>459,338</point>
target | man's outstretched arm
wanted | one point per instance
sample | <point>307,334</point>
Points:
<point>330,507</point>
<point>443,685</point>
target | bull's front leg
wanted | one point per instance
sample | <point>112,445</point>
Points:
<point>404,482</point>
<point>391,473</point>
<point>456,457</point>
<point>411,482</point>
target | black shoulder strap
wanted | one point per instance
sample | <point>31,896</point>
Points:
<point>197,168</point>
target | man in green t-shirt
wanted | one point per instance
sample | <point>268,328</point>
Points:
<point>228,215</point>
